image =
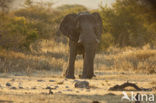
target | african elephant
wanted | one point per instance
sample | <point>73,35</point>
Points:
<point>84,33</point>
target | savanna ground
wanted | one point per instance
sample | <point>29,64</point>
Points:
<point>43,68</point>
<point>34,88</point>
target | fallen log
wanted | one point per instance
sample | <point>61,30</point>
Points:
<point>127,84</point>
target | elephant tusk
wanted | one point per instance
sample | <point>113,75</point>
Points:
<point>97,40</point>
<point>79,41</point>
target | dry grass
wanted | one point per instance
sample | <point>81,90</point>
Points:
<point>127,59</point>
<point>11,61</point>
<point>51,55</point>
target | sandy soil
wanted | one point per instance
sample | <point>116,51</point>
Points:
<point>33,89</point>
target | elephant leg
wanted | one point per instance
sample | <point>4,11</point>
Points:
<point>88,64</point>
<point>83,55</point>
<point>70,70</point>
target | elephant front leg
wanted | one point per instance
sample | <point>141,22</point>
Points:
<point>88,64</point>
<point>70,70</point>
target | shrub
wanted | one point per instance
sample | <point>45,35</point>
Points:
<point>15,32</point>
<point>140,61</point>
<point>107,40</point>
<point>22,27</point>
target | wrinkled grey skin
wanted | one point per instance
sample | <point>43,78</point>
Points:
<point>84,32</point>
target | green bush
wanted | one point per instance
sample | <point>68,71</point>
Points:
<point>107,40</point>
<point>130,23</point>
<point>31,37</point>
<point>22,27</point>
<point>123,25</point>
<point>15,31</point>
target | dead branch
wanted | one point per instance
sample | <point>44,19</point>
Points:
<point>127,84</point>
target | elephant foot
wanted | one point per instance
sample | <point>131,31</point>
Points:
<point>85,77</point>
<point>69,77</point>
<point>94,75</point>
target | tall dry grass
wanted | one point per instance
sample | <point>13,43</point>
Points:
<point>43,57</point>
<point>128,59</point>
<point>53,56</point>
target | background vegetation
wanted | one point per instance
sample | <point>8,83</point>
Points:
<point>29,36</point>
<point>126,23</point>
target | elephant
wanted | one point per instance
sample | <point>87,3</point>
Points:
<point>84,32</point>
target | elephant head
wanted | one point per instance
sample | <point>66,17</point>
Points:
<point>83,29</point>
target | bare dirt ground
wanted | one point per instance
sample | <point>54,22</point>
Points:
<point>34,88</point>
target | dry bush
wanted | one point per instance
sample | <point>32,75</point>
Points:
<point>138,60</point>
<point>127,59</point>
<point>49,47</point>
<point>11,61</point>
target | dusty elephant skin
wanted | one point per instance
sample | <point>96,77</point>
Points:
<point>84,33</point>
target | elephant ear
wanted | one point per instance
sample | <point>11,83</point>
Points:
<point>68,26</point>
<point>99,25</point>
